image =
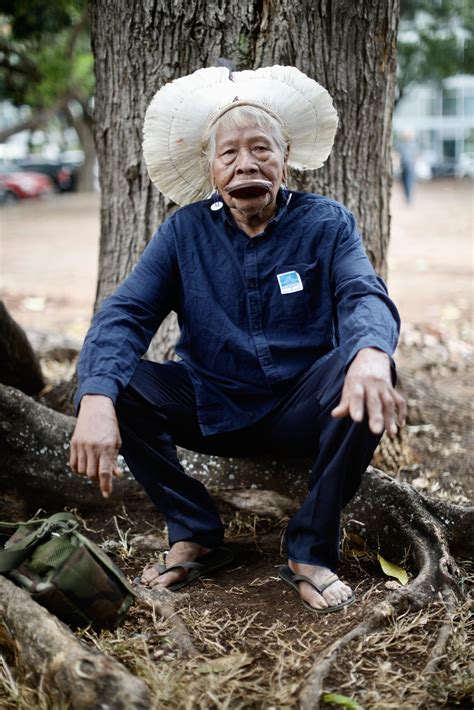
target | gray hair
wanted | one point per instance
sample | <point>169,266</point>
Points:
<point>242,117</point>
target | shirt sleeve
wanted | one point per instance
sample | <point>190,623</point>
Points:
<point>122,329</point>
<point>366,316</point>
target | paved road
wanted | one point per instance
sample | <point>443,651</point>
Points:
<point>48,258</point>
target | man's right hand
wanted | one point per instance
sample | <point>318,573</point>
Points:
<point>96,442</point>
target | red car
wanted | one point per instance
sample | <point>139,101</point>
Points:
<point>16,184</point>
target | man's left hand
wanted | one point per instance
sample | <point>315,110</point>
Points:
<point>368,390</point>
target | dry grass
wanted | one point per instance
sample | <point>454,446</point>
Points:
<point>242,662</point>
<point>248,657</point>
<point>386,670</point>
<point>19,696</point>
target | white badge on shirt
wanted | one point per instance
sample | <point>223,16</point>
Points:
<point>290,282</point>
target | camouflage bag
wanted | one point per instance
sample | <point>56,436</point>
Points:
<point>65,572</point>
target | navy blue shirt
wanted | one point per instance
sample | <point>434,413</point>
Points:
<point>254,313</point>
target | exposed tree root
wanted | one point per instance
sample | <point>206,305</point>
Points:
<point>162,603</point>
<point>444,635</point>
<point>46,654</point>
<point>34,451</point>
<point>395,516</point>
<point>19,366</point>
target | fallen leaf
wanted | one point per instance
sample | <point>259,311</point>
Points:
<point>343,701</point>
<point>420,482</point>
<point>392,570</point>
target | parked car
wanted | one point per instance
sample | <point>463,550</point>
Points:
<point>465,165</point>
<point>446,168</point>
<point>17,184</point>
<point>63,174</point>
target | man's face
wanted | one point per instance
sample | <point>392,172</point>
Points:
<point>248,157</point>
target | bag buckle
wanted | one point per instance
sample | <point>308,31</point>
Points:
<point>58,529</point>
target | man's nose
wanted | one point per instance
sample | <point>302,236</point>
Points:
<point>246,162</point>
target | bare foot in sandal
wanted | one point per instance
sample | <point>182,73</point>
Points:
<point>179,552</point>
<point>334,594</point>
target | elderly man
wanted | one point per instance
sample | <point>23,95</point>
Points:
<point>286,331</point>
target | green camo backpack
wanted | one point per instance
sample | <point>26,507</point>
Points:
<point>65,572</point>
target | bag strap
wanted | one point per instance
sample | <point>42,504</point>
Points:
<point>13,555</point>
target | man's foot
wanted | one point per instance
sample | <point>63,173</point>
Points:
<point>179,552</point>
<point>333,595</point>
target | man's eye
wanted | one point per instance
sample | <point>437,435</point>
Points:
<point>261,148</point>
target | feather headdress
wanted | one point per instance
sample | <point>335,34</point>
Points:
<point>180,112</point>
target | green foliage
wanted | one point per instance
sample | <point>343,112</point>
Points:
<point>436,40</point>
<point>36,18</point>
<point>45,55</point>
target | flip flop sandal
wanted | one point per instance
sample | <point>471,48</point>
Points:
<point>288,576</point>
<point>201,567</point>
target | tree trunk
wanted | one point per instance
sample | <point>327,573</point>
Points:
<point>83,126</point>
<point>19,366</point>
<point>348,47</point>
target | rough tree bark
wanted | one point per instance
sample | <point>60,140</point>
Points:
<point>19,366</point>
<point>83,125</point>
<point>34,454</point>
<point>349,47</point>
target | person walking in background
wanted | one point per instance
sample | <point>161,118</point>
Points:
<point>407,152</point>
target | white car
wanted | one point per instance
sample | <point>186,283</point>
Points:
<point>465,165</point>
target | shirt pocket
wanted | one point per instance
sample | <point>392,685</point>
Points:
<point>297,290</point>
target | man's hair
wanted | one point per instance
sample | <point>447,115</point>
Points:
<point>243,117</point>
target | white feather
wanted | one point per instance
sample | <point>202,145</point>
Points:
<point>179,113</point>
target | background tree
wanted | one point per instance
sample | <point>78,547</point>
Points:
<point>435,40</point>
<point>46,65</point>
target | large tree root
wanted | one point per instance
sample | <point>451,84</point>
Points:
<point>393,516</point>
<point>19,366</point>
<point>47,655</point>
<point>34,454</point>
<point>162,603</point>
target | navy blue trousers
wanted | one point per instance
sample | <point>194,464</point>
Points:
<point>157,412</point>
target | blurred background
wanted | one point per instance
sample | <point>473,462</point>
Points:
<point>49,199</point>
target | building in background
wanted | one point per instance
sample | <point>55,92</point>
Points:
<point>441,115</point>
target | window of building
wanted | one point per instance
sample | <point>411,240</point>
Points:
<point>449,149</point>
<point>469,104</point>
<point>449,102</point>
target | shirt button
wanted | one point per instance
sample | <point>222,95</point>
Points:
<point>252,283</point>
<point>251,243</point>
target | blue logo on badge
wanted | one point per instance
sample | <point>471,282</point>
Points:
<point>290,282</point>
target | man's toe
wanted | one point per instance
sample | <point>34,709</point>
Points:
<point>150,574</point>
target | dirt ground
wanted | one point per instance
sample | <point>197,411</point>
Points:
<point>254,641</point>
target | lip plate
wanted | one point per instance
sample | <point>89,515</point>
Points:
<point>249,188</point>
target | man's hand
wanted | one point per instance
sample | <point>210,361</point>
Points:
<point>96,442</point>
<point>368,389</point>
